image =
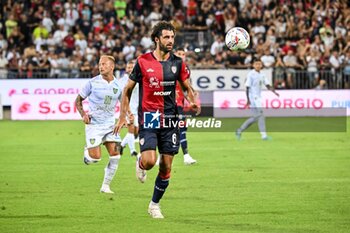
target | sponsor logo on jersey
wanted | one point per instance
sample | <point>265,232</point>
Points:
<point>167,83</point>
<point>162,93</point>
<point>153,82</point>
<point>149,70</point>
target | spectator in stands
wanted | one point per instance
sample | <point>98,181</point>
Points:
<point>3,43</point>
<point>322,85</point>
<point>280,82</point>
<point>75,65</point>
<point>10,24</point>
<point>291,63</point>
<point>129,50</point>
<point>71,14</point>
<point>120,8</point>
<point>26,30</point>
<point>60,34</point>
<point>15,39</point>
<point>146,42</point>
<point>218,45</point>
<point>327,37</point>
<point>267,59</point>
<point>346,69</point>
<point>191,12</point>
<point>168,10</point>
<point>44,66</point>
<point>69,43</point>
<point>235,60</point>
<point>63,64</point>
<point>154,17</point>
<point>47,21</point>
<point>335,62</point>
<point>313,60</point>
<point>14,62</point>
<point>3,64</point>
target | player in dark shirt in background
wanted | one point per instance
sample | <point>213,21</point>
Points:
<point>180,101</point>
<point>157,73</point>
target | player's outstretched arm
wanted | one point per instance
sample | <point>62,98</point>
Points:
<point>272,89</point>
<point>79,107</point>
<point>125,105</point>
<point>186,86</point>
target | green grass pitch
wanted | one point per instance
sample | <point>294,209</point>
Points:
<point>298,182</point>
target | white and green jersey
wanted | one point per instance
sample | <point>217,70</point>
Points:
<point>103,97</point>
<point>255,81</point>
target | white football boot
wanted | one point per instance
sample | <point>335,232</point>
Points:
<point>106,189</point>
<point>188,160</point>
<point>154,210</point>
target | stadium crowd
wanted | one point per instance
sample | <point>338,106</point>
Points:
<point>303,40</point>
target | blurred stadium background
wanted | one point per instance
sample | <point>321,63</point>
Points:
<point>48,49</point>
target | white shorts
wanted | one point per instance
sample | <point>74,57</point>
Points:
<point>96,135</point>
<point>136,120</point>
<point>256,106</point>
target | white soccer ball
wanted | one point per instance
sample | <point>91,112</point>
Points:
<point>237,38</point>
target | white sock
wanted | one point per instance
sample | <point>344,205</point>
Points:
<point>111,169</point>
<point>125,140</point>
<point>131,142</point>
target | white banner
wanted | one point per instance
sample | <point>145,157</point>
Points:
<point>47,107</point>
<point>290,103</point>
<point>202,80</point>
<point>217,80</point>
<point>8,88</point>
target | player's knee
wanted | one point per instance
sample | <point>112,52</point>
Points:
<point>90,159</point>
<point>149,163</point>
<point>164,174</point>
<point>116,150</point>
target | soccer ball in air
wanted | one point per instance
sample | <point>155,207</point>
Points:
<point>237,38</point>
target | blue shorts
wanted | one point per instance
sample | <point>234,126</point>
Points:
<point>167,140</point>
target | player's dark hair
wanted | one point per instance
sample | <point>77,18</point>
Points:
<point>180,49</point>
<point>255,59</point>
<point>159,27</point>
<point>132,61</point>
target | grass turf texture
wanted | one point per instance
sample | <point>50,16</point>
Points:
<point>299,182</point>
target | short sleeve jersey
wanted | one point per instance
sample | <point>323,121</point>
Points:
<point>103,97</point>
<point>255,81</point>
<point>157,83</point>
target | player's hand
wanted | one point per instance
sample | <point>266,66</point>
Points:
<point>131,117</point>
<point>196,107</point>
<point>121,122</point>
<point>86,119</point>
<point>248,104</point>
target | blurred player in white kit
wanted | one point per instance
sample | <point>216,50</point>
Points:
<point>254,83</point>
<point>103,92</point>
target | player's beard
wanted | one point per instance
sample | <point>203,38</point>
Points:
<point>164,48</point>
